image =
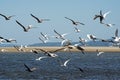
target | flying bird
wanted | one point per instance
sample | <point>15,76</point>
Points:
<point>101,16</point>
<point>109,25</point>
<point>74,22</point>
<point>65,63</point>
<point>29,69</point>
<point>7,17</point>
<point>77,30</point>
<point>39,20</point>
<point>24,28</point>
<point>60,36</point>
<point>99,52</point>
<point>45,36</point>
<point>79,48</point>
<point>43,41</point>
<point>42,57</point>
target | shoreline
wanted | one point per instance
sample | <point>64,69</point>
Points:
<point>49,48</point>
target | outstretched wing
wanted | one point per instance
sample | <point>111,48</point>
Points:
<point>21,25</point>
<point>57,50</point>
<point>38,20</point>
<point>27,68</point>
<point>69,19</point>
<point>3,16</point>
<point>116,33</point>
<point>57,33</point>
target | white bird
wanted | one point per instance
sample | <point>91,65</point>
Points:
<point>46,37</point>
<point>43,41</point>
<point>39,20</point>
<point>65,63</point>
<point>91,37</point>
<point>7,17</point>
<point>42,57</point>
<point>109,25</point>
<point>99,52</point>
<point>101,16</point>
<point>26,29</point>
<point>66,42</point>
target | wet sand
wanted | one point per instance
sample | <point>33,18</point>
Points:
<point>86,49</point>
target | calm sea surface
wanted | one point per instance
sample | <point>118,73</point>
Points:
<point>103,67</point>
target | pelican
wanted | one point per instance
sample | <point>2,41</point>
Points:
<point>42,57</point>
<point>74,22</point>
<point>50,53</point>
<point>99,52</point>
<point>39,20</point>
<point>7,17</point>
<point>29,69</point>
<point>101,16</point>
<point>65,63</point>
<point>59,35</point>
<point>24,28</point>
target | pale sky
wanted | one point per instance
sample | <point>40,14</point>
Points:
<point>78,10</point>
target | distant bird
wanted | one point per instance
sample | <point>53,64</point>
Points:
<point>79,48</point>
<point>19,48</point>
<point>59,36</point>
<point>50,53</point>
<point>7,17</point>
<point>80,69</point>
<point>43,41</point>
<point>24,28</point>
<point>82,41</point>
<point>65,63</point>
<point>39,20</point>
<point>92,37</point>
<point>99,52</point>
<point>109,25</point>
<point>10,40</point>
<point>34,51</point>
<point>42,57</point>
<point>77,30</point>
<point>74,22</point>
<point>29,69</point>
<point>45,36</point>
<point>101,16</point>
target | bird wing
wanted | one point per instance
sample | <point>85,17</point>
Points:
<point>4,16</point>
<point>116,33</point>
<point>43,35</point>
<point>65,63</point>
<point>57,50</point>
<point>106,14</point>
<point>70,19</point>
<point>35,17</point>
<point>21,25</point>
<point>27,67</point>
<point>57,33</point>
<point>41,40</point>
<point>42,50</point>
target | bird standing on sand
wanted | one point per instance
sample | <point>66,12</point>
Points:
<point>101,16</point>
<point>39,20</point>
<point>7,17</point>
<point>74,22</point>
<point>24,28</point>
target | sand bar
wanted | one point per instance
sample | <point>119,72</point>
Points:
<point>86,49</point>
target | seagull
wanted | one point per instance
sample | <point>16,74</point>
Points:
<point>10,40</point>
<point>43,41</point>
<point>7,17</point>
<point>99,52</point>
<point>79,48</point>
<point>65,63</point>
<point>44,36</point>
<point>39,20</point>
<point>82,41</point>
<point>66,42</point>
<point>59,35</point>
<point>19,48</point>
<point>109,25</point>
<point>74,22</point>
<point>50,53</point>
<point>29,69</point>
<point>42,57</point>
<point>24,28</point>
<point>92,37</point>
<point>77,30</point>
<point>101,16</point>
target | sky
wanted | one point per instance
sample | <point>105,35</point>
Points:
<point>78,10</point>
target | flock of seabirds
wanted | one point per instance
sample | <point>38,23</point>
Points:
<point>66,43</point>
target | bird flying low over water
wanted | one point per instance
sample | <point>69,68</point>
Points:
<point>39,20</point>
<point>79,48</point>
<point>99,52</point>
<point>65,63</point>
<point>7,17</point>
<point>42,57</point>
<point>24,28</point>
<point>29,69</point>
<point>101,16</point>
<point>74,22</point>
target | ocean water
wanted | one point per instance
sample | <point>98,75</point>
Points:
<point>103,67</point>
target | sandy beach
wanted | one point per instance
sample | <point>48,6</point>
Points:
<point>86,49</point>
